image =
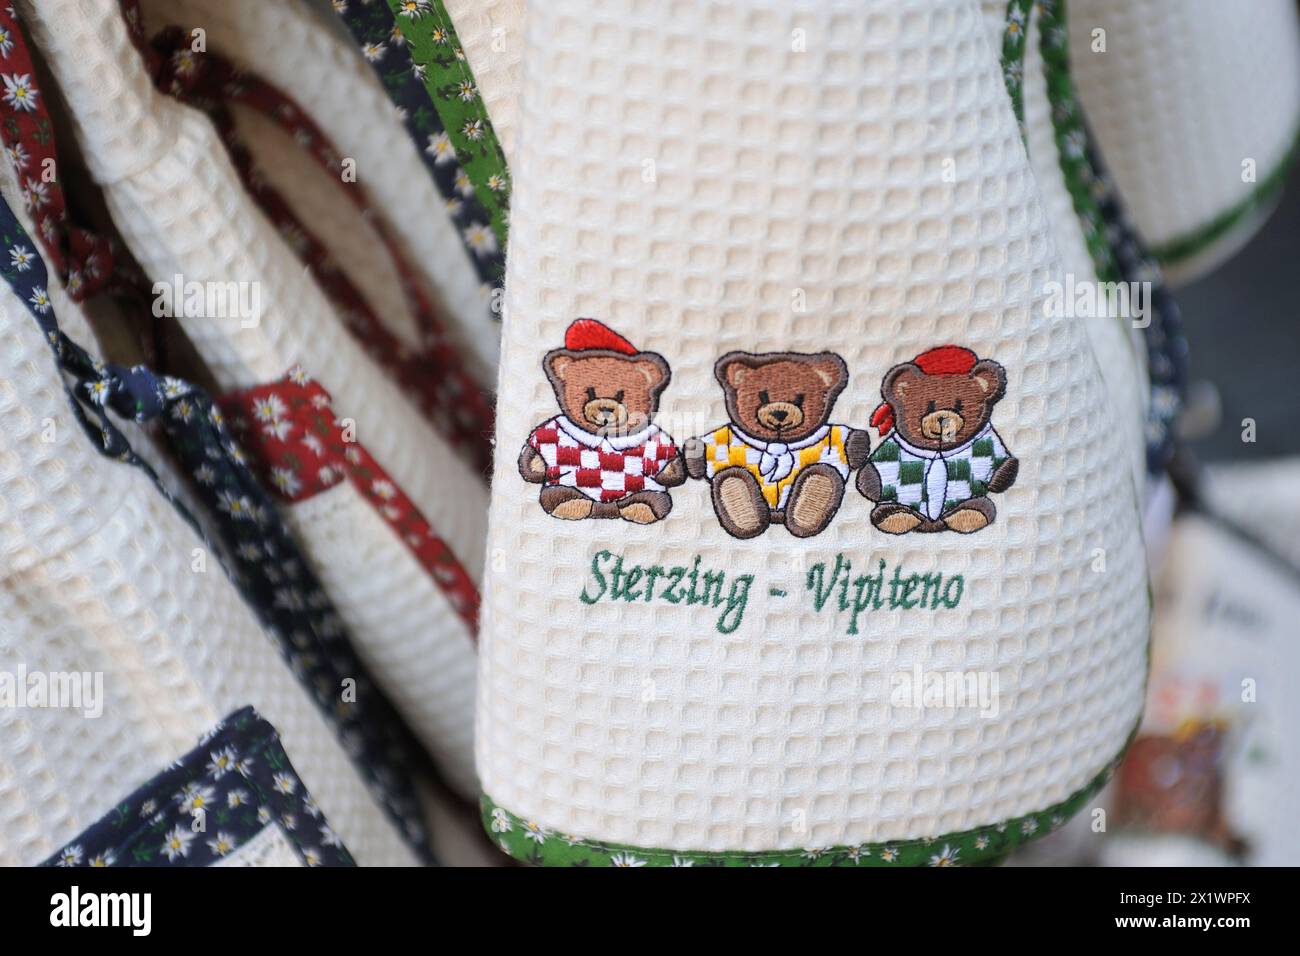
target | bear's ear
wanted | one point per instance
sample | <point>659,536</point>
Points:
<point>898,380</point>
<point>991,378</point>
<point>654,367</point>
<point>831,369</point>
<point>734,366</point>
<point>556,362</point>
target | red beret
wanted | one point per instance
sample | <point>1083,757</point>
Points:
<point>946,360</point>
<point>585,334</point>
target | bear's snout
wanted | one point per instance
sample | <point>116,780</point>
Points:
<point>779,416</point>
<point>605,412</point>
<point>942,425</point>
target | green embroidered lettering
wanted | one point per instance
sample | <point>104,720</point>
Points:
<point>844,584</point>
<point>879,586</point>
<point>893,588</point>
<point>862,601</point>
<point>694,576</point>
<point>956,598</point>
<point>633,577</point>
<point>737,599</point>
<point>816,578</point>
<point>932,583</point>
<point>675,576</point>
<point>595,572</point>
<point>908,587</point>
<point>616,582</point>
<point>652,573</point>
<point>713,581</point>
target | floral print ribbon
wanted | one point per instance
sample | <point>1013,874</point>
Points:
<point>254,544</point>
<point>209,804</point>
<point>435,375</point>
<point>302,449</point>
<point>412,47</point>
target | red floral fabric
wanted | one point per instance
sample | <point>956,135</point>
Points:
<point>301,449</point>
<point>83,260</point>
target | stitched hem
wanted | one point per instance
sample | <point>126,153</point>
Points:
<point>529,842</point>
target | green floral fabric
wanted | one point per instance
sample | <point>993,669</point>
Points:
<point>1072,139</point>
<point>440,62</point>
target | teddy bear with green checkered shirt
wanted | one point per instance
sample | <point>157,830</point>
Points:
<point>939,457</point>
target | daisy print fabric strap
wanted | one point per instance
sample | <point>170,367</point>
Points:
<point>384,46</point>
<point>270,571</point>
<point>435,375</point>
<point>303,449</point>
<point>238,781</point>
<point>428,32</point>
<point>82,258</point>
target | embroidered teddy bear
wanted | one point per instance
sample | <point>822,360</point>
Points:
<point>779,458</point>
<point>939,456</point>
<point>603,456</point>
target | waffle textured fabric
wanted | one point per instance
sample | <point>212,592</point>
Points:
<point>1196,106</point>
<point>833,179</point>
<point>100,579</point>
<point>298,53</point>
<point>179,206</point>
<point>1117,349</point>
<point>181,209</point>
<point>254,546</point>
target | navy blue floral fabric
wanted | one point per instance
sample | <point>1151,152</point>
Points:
<point>1166,344</point>
<point>252,540</point>
<point>375,31</point>
<point>209,804</point>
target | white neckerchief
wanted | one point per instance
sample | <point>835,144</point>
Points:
<point>613,442</point>
<point>778,457</point>
<point>936,479</point>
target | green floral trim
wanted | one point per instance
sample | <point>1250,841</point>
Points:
<point>441,64</point>
<point>530,843</point>
<point>1072,138</point>
<point>1265,191</point>
<point>1067,117</point>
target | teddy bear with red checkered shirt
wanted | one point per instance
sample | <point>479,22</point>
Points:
<point>603,456</point>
